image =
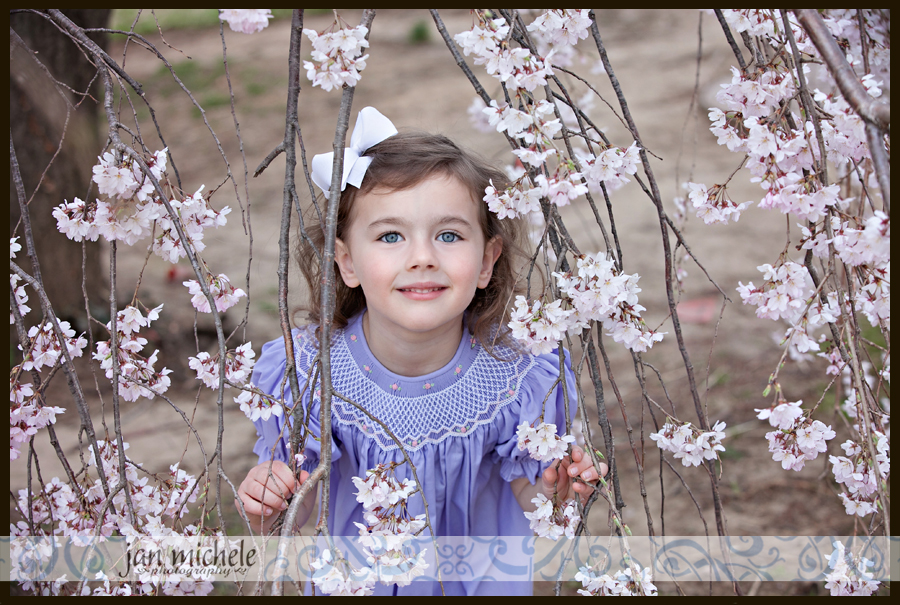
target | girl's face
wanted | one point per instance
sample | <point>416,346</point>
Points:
<point>418,254</point>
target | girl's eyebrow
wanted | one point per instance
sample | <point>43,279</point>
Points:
<point>396,221</point>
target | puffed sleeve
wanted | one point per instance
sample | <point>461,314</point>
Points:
<point>516,463</point>
<point>274,438</point>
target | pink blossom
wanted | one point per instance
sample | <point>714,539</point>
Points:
<point>246,21</point>
<point>224,294</point>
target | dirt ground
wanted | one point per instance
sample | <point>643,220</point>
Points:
<point>419,86</point>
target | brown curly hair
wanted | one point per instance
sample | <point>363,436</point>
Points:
<point>400,162</point>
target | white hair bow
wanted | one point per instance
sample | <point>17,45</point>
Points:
<point>370,129</point>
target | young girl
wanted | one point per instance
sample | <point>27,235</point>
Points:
<point>426,276</point>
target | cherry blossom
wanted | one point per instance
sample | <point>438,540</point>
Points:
<point>238,366</point>
<point>124,179</point>
<point>44,348</point>
<point>713,205</point>
<point>799,439</point>
<point>21,297</point>
<point>610,166</point>
<point>599,292</point>
<point>620,584</point>
<point>542,442</point>
<point>849,575</point>
<point>258,407</point>
<point>137,376</point>
<point>689,444</point>
<point>384,538</point>
<point>247,20</point>
<point>562,27</point>
<point>195,215</point>
<point>538,327</point>
<point>552,519</point>
<point>26,416</point>
<point>224,294</point>
<point>513,202</point>
<point>516,67</point>
<point>336,59</point>
<point>341,580</point>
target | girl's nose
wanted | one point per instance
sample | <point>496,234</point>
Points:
<point>422,255</point>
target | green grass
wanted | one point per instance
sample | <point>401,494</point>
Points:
<point>194,75</point>
<point>185,18</point>
<point>179,18</point>
<point>420,33</point>
<point>267,306</point>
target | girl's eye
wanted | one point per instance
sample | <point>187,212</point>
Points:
<point>390,238</point>
<point>448,237</point>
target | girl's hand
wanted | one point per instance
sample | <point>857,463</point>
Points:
<point>562,481</point>
<point>264,495</point>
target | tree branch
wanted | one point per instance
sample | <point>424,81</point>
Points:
<point>871,111</point>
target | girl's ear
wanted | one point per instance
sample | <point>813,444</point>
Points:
<point>492,252</point>
<point>345,263</point>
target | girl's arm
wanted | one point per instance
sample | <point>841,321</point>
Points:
<point>264,496</point>
<point>559,481</point>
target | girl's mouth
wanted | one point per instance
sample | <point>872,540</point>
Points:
<point>422,292</point>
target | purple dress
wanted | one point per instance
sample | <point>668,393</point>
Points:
<point>457,424</point>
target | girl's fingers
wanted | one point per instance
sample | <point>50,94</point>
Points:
<point>259,495</point>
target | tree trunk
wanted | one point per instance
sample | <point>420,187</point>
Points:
<point>37,117</point>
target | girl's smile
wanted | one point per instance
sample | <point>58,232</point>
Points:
<point>426,291</point>
<point>419,254</point>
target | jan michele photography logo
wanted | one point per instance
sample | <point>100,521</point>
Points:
<point>221,558</point>
<point>154,559</point>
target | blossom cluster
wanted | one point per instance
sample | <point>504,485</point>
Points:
<point>125,179</point>
<point>238,366</point>
<point>557,31</point>
<point>75,511</point>
<point>224,294</point>
<point>132,211</point>
<point>246,20</point>
<point>384,536</point>
<point>535,127</point>
<point>137,376</point>
<point>26,416</point>
<point>713,204</point>
<point>79,511</point>
<point>539,326</point>
<point>44,348</point>
<point>798,439</point>
<point>515,67</point>
<point>688,443</point>
<point>258,406</point>
<point>542,442</point>
<point>550,175</point>
<point>130,223</point>
<point>552,519</point>
<point>757,116</point>
<point>788,293</point>
<point>336,60</point>
<point>513,201</point>
<point>195,215</point>
<point>19,294</point>
<point>610,166</point>
<point>859,476</point>
<point>620,584</point>
<point>598,291</point>
<point>849,575</point>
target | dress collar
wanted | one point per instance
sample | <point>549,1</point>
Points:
<point>354,339</point>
